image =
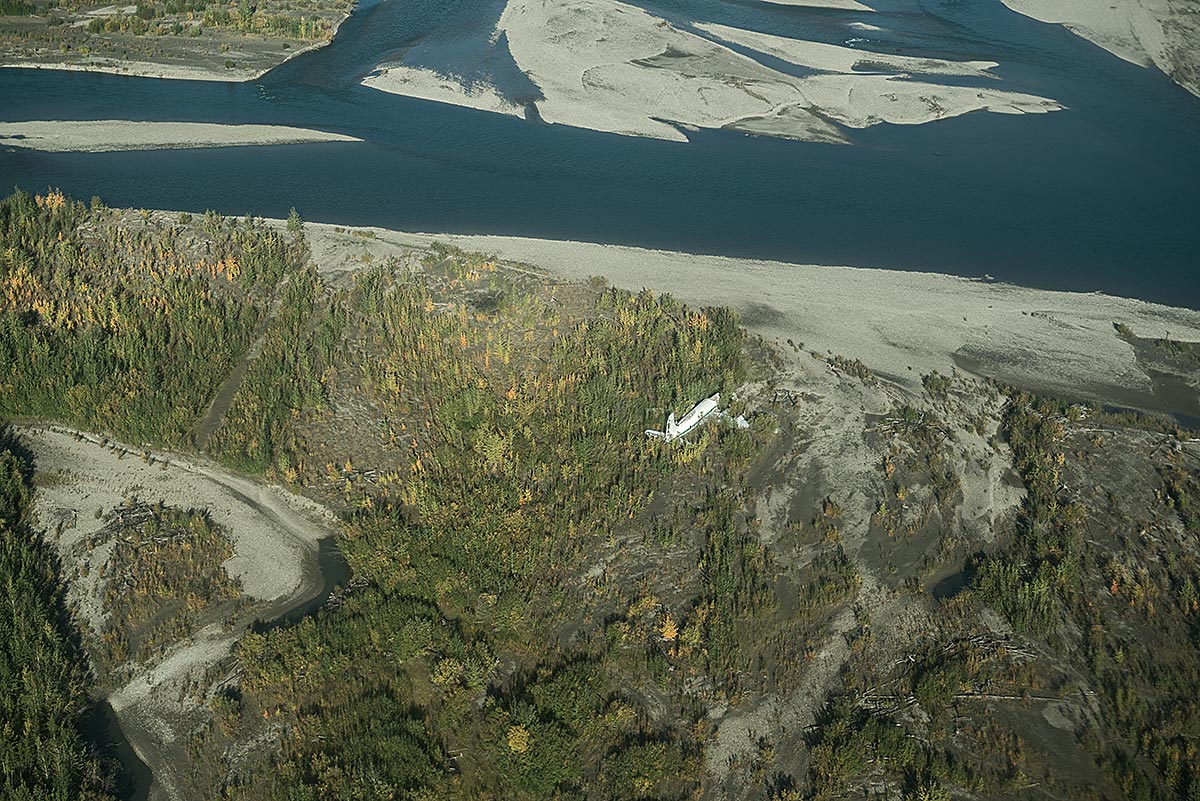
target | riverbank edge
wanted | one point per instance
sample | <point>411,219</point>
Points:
<point>900,324</point>
<point>172,72</point>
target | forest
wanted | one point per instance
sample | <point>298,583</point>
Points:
<point>544,602</point>
<point>44,674</point>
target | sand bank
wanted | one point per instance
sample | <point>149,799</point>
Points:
<point>900,324</point>
<point>146,69</point>
<point>842,5</point>
<point>1160,33</point>
<point>609,66</point>
<point>426,84</point>
<point>109,135</point>
<point>859,88</point>
<point>836,58</point>
<point>1131,29</point>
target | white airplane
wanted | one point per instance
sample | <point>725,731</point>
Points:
<point>699,413</point>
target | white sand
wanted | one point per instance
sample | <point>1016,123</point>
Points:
<point>108,135</point>
<point>426,84</point>
<point>1130,29</point>
<point>609,66</point>
<point>843,5</point>
<point>1151,33</point>
<point>861,101</point>
<point>893,321</point>
<point>836,58</point>
<point>856,94</point>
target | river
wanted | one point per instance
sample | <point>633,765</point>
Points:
<point>1099,197</point>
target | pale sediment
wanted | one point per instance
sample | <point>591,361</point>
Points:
<point>842,5</point>
<point>1151,33</point>
<point>144,69</point>
<point>112,135</point>
<point>428,84</point>
<point>609,66</point>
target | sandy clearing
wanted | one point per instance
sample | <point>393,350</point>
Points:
<point>275,536</point>
<point>901,324</point>
<point>427,84</point>
<point>274,533</point>
<point>95,136</point>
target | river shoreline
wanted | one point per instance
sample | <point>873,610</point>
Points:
<point>900,324</point>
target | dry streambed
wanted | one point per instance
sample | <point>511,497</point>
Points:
<point>83,478</point>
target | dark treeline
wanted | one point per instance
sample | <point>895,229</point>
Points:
<point>126,326</point>
<point>44,679</point>
<point>1088,582</point>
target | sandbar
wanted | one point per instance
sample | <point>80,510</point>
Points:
<point>609,66</point>
<point>96,136</point>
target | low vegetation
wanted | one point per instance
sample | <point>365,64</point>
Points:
<point>165,568</point>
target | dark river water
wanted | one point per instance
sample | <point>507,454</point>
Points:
<point>1101,197</point>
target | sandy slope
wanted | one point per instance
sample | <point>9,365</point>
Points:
<point>902,324</point>
<point>108,135</point>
